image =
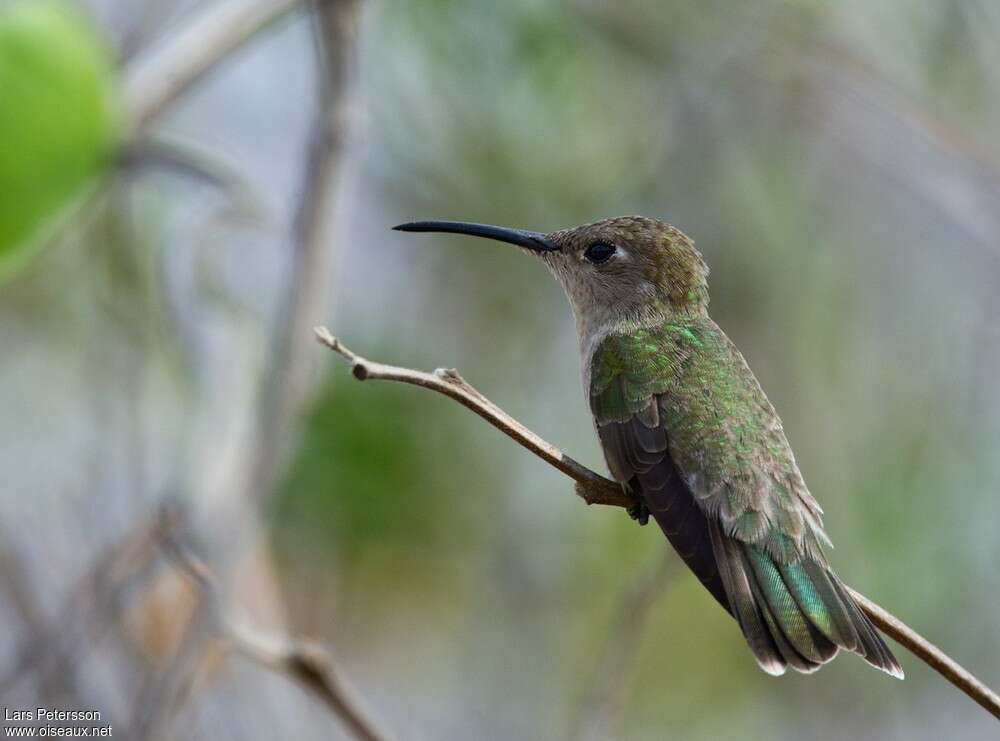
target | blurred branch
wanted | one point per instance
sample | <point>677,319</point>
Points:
<point>199,165</point>
<point>160,702</point>
<point>590,486</point>
<point>90,608</point>
<point>152,83</point>
<point>98,596</point>
<point>158,77</point>
<point>154,80</point>
<point>600,491</point>
<point>15,582</point>
<point>22,595</point>
<point>603,700</point>
<point>289,378</point>
<point>305,662</point>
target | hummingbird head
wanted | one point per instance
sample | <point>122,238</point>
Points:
<point>617,270</point>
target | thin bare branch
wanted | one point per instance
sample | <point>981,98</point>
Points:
<point>590,486</point>
<point>306,662</point>
<point>158,77</point>
<point>449,383</point>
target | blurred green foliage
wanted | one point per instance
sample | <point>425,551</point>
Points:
<point>59,118</point>
<point>371,474</point>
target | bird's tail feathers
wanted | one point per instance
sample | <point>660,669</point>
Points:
<point>794,614</point>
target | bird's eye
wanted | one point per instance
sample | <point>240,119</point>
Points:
<point>599,252</point>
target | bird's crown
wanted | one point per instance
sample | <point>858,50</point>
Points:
<point>665,256</point>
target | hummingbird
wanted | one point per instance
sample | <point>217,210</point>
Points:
<point>687,430</point>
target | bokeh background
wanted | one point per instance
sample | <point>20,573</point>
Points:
<point>838,166</point>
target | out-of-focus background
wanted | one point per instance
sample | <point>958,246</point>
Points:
<point>839,168</point>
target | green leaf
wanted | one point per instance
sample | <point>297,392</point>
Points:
<point>59,120</point>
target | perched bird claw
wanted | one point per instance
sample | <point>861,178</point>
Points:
<point>639,512</point>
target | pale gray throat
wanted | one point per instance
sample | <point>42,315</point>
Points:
<point>594,326</point>
<point>596,319</point>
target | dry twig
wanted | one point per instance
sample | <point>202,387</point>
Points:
<point>598,490</point>
<point>590,486</point>
<point>306,662</point>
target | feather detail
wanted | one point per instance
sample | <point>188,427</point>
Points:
<point>788,652</point>
<point>809,584</point>
<point>685,426</point>
<point>745,609</point>
<point>871,646</point>
<point>797,628</point>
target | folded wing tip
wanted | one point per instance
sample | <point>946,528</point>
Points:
<point>894,670</point>
<point>774,667</point>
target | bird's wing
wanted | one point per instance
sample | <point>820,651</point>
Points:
<point>685,425</point>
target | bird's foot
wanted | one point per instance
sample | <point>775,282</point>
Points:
<point>639,512</point>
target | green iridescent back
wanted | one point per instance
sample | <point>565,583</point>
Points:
<point>724,436</point>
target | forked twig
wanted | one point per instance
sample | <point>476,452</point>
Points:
<point>590,486</point>
<point>306,662</point>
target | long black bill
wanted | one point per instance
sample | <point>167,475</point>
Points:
<point>531,240</point>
